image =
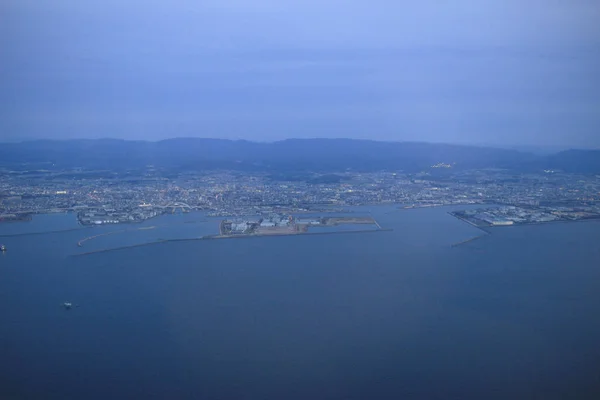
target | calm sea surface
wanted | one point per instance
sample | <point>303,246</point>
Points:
<point>377,315</point>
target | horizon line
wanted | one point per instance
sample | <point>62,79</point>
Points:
<point>518,147</point>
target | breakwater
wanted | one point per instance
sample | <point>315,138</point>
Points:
<point>219,237</point>
<point>469,240</point>
<point>484,232</point>
<point>43,232</point>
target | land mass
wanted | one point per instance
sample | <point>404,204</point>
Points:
<point>115,182</point>
<point>512,215</point>
<point>286,156</point>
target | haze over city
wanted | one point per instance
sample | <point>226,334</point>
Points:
<point>504,73</point>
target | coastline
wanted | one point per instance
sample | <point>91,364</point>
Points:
<point>487,229</point>
<point>559,221</point>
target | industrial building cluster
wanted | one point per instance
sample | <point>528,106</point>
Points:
<point>511,215</point>
<point>272,222</point>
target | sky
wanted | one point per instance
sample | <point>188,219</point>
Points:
<point>503,73</point>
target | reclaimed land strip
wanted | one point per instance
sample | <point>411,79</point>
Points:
<point>558,221</point>
<point>467,221</point>
<point>487,230</point>
<point>217,237</point>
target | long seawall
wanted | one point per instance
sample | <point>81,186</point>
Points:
<point>218,237</point>
<point>484,232</point>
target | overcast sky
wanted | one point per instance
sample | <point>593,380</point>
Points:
<point>504,72</point>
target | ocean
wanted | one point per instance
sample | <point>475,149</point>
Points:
<point>399,314</point>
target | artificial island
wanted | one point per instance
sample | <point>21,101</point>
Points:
<point>279,224</point>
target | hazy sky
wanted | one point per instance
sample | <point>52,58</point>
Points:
<point>470,71</point>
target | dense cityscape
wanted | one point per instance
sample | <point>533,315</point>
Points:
<point>100,197</point>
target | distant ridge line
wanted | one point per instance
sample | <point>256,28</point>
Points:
<point>326,155</point>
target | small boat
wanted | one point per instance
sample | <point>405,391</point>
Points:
<point>67,306</point>
<point>2,248</point>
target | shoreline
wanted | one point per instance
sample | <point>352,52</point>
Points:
<point>487,229</point>
<point>560,221</point>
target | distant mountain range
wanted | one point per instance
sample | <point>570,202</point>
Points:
<point>324,155</point>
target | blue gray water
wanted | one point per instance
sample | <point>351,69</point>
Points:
<point>384,315</point>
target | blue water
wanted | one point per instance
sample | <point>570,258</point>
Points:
<point>342,228</point>
<point>378,315</point>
